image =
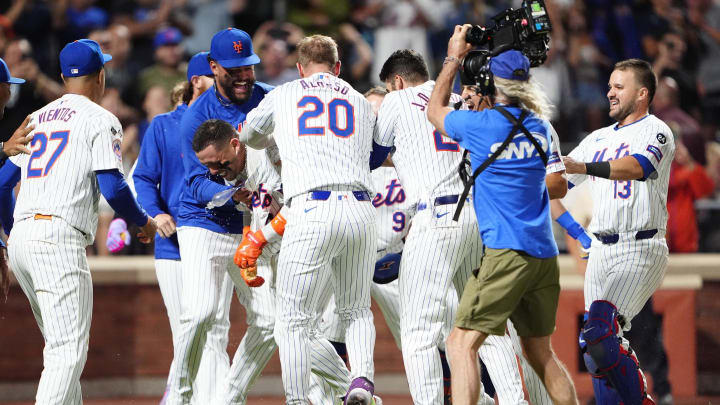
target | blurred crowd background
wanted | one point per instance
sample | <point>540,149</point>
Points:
<point>151,40</point>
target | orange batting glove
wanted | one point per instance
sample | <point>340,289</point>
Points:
<point>246,256</point>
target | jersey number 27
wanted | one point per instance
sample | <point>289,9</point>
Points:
<point>337,108</point>
<point>42,139</point>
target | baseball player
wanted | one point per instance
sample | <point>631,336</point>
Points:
<point>322,128</point>
<point>438,251</point>
<point>519,276</point>
<point>628,164</point>
<point>216,141</point>
<point>75,156</point>
<point>158,184</point>
<point>207,237</point>
<point>13,146</point>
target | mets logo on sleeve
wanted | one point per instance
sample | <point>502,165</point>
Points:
<point>116,149</point>
<point>661,138</point>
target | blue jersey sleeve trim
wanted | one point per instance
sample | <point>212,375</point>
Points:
<point>117,193</point>
<point>378,155</point>
<point>647,167</point>
<point>9,177</point>
<point>570,185</point>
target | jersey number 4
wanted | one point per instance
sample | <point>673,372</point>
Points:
<point>334,120</point>
<point>42,139</point>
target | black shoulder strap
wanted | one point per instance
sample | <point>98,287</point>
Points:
<point>469,181</point>
<point>529,136</point>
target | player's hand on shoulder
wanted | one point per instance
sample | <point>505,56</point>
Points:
<point>20,138</point>
<point>572,166</point>
<point>147,231</point>
<point>165,225</point>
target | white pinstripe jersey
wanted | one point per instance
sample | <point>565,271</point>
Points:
<point>628,206</point>
<point>323,128</point>
<point>394,209</point>
<point>74,137</point>
<point>426,161</point>
<point>262,169</point>
<point>555,163</point>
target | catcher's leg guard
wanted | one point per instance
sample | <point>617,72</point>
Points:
<point>607,358</point>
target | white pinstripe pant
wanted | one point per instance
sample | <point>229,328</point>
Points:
<point>207,383</point>
<point>438,252</point>
<point>626,273</point>
<point>208,276</point>
<point>386,296</point>
<point>328,246</point>
<point>49,261</point>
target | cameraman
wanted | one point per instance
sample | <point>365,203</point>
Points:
<point>519,274</point>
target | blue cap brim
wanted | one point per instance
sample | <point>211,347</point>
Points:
<point>15,80</point>
<point>239,62</point>
<point>106,58</point>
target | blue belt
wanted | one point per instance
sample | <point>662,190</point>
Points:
<point>613,238</point>
<point>323,195</point>
<point>444,200</point>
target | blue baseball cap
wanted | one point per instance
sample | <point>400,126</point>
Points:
<point>233,48</point>
<point>511,65</point>
<point>167,36</point>
<point>5,74</point>
<point>82,57</point>
<point>199,66</point>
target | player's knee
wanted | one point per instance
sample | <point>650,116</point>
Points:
<point>352,314</point>
<point>198,317</point>
<point>599,334</point>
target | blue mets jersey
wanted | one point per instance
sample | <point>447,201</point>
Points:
<point>159,177</point>
<point>200,185</point>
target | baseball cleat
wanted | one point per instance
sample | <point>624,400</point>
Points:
<point>361,393</point>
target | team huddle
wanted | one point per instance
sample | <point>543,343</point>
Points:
<point>333,197</point>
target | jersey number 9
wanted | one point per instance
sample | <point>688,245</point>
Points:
<point>341,117</point>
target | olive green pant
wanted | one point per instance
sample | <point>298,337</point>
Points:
<point>511,284</point>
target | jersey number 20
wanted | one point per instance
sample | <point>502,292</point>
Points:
<point>42,139</point>
<point>334,108</point>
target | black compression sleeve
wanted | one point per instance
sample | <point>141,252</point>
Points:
<point>598,169</point>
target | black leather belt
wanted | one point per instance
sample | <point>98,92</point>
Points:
<point>613,238</point>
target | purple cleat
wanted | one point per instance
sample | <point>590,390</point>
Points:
<point>360,392</point>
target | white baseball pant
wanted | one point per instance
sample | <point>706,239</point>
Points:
<point>49,261</point>
<point>328,246</point>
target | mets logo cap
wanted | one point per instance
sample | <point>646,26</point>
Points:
<point>5,74</point>
<point>233,48</point>
<point>82,57</point>
<point>199,66</point>
<point>511,65</point>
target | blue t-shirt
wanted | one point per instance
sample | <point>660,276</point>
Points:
<point>158,176</point>
<point>200,185</point>
<point>510,198</point>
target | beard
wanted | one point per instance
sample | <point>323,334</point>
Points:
<point>226,84</point>
<point>621,112</point>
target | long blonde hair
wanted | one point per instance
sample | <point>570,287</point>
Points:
<point>527,94</point>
